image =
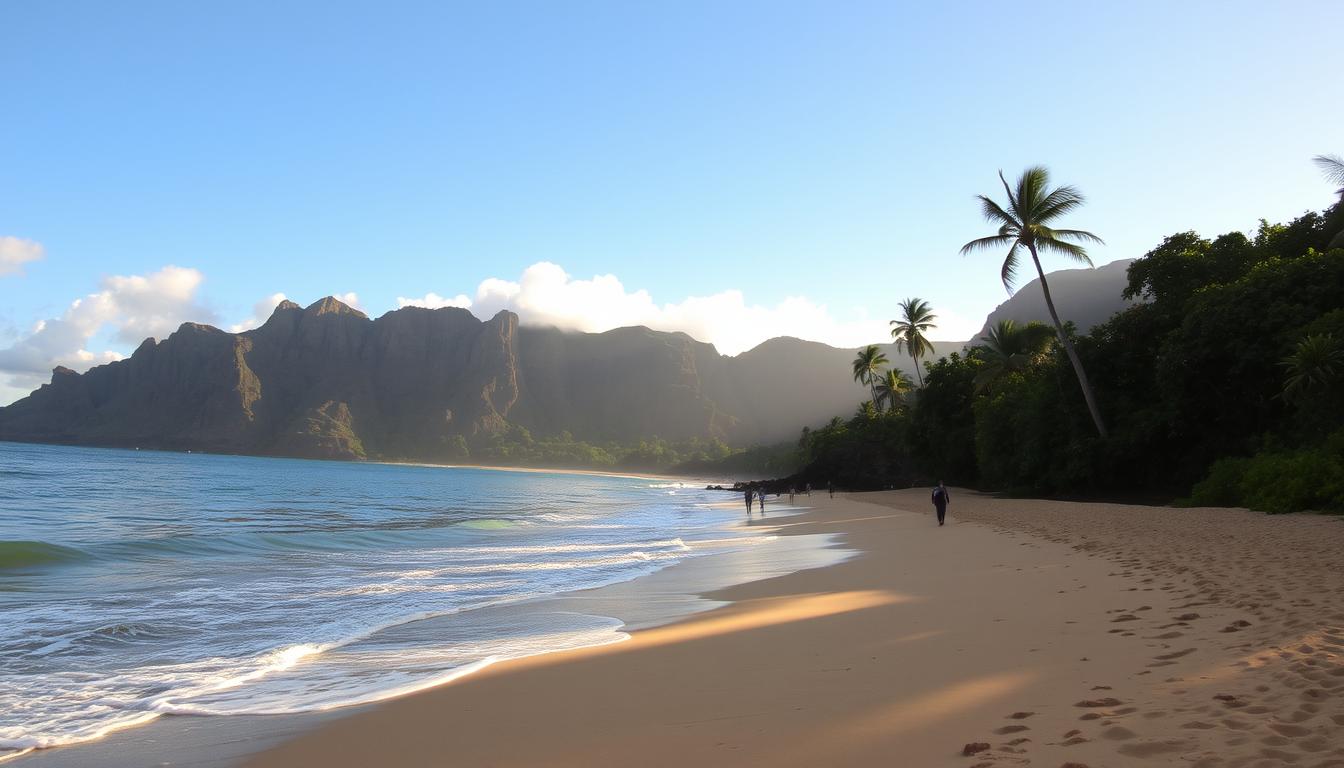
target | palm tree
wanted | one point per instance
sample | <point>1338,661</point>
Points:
<point>1025,225</point>
<point>1316,363</point>
<point>891,389</point>
<point>916,318</point>
<point>868,366</point>
<point>1010,348</point>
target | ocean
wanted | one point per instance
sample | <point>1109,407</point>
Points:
<point>135,584</point>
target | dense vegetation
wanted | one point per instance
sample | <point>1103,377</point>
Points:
<point>1225,386</point>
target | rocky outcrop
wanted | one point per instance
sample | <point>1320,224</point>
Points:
<point>323,381</point>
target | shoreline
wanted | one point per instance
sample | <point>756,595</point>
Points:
<point>1025,632</point>
<point>535,470</point>
<point>652,599</point>
<point>626,474</point>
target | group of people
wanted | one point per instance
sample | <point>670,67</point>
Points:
<point>940,497</point>
<point>754,496</point>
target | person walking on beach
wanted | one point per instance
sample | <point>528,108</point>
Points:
<point>749,500</point>
<point>791,489</point>
<point>940,500</point>
<point>830,488</point>
<point>761,497</point>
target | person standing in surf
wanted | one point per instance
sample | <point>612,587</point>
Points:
<point>940,500</point>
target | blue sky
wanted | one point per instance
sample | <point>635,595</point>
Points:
<point>788,167</point>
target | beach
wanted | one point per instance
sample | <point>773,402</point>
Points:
<point>1023,633</point>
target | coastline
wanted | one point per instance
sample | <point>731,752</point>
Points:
<point>541,470</point>
<point>932,647</point>
<point>648,600</point>
<point>1027,631</point>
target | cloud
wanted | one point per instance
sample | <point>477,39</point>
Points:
<point>131,307</point>
<point>15,252</point>
<point>433,300</point>
<point>350,299</point>
<point>546,295</point>
<point>261,312</point>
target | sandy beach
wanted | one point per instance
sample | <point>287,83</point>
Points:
<point>1023,633</point>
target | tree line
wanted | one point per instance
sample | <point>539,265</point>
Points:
<point>1223,385</point>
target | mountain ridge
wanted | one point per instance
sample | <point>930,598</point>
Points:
<point>327,381</point>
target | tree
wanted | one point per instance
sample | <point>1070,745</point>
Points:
<point>1316,363</point>
<point>1025,225</point>
<point>868,367</point>
<point>891,389</point>
<point>1010,348</point>
<point>916,318</point>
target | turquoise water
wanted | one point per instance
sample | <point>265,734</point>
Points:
<point>134,584</point>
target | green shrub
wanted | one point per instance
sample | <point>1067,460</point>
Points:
<point>1278,481</point>
<point>1222,488</point>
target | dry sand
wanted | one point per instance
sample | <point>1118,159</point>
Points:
<point>1042,633</point>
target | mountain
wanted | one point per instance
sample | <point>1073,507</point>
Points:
<point>1085,296</point>
<point>327,381</point>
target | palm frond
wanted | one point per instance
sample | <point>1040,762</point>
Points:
<point>982,243</point>
<point>992,211</point>
<point>1057,203</point>
<point>1009,271</point>
<point>1332,166</point>
<point>1077,234</point>
<point>1012,201</point>
<point>1075,252</point>
<point>1031,189</point>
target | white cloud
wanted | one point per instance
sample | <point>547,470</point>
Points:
<point>261,312</point>
<point>132,307</point>
<point>546,295</point>
<point>15,252</point>
<point>350,299</point>
<point>433,300</point>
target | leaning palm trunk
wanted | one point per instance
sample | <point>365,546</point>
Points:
<point>918,373</point>
<point>1088,395</point>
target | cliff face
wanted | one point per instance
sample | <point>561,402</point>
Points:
<point>325,381</point>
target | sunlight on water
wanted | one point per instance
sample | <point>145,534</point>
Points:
<point>140,583</point>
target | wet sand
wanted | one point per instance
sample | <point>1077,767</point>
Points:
<point>1024,633</point>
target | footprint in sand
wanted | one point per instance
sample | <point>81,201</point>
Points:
<point>1007,729</point>
<point>1175,654</point>
<point>1289,730</point>
<point>1152,748</point>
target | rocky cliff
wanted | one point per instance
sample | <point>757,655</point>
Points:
<point>327,381</point>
